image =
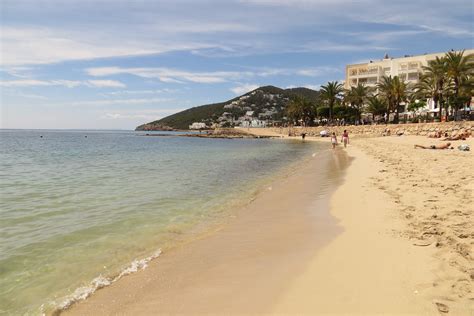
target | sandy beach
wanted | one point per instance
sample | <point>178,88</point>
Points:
<point>407,243</point>
<point>396,239</point>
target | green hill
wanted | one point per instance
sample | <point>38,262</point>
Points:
<point>265,103</point>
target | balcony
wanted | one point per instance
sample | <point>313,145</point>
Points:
<point>413,66</point>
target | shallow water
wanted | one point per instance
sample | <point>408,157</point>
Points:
<point>74,207</point>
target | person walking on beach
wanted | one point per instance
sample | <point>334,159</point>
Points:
<point>345,138</point>
<point>333,140</point>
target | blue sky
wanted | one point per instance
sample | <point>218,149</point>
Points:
<point>114,64</point>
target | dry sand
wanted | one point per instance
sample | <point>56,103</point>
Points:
<point>408,239</point>
<point>405,247</point>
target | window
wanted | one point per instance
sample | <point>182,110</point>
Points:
<point>373,70</point>
<point>413,76</point>
<point>372,80</point>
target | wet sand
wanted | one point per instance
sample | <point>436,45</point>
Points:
<point>244,266</point>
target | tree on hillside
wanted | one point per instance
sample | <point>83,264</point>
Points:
<point>331,93</point>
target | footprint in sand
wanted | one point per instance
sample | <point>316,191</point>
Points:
<point>443,308</point>
<point>422,243</point>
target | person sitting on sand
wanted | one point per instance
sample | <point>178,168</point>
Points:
<point>333,140</point>
<point>442,146</point>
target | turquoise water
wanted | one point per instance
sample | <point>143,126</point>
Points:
<point>80,209</point>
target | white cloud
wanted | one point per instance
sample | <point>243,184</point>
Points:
<point>24,83</point>
<point>338,47</point>
<point>180,76</point>
<point>168,74</point>
<point>121,102</point>
<point>24,46</point>
<point>132,92</point>
<point>317,71</point>
<point>19,72</point>
<point>65,83</point>
<point>206,27</point>
<point>106,83</point>
<point>244,88</point>
<point>146,115</point>
<point>16,93</point>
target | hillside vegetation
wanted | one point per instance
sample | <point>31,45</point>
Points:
<point>265,103</point>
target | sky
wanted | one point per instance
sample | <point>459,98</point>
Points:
<point>115,64</point>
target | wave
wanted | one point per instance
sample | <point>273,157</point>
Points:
<point>99,282</point>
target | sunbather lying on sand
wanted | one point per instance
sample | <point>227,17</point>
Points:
<point>461,136</point>
<point>442,146</point>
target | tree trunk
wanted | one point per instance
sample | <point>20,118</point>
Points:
<point>330,113</point>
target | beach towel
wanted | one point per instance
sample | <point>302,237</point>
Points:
<point>464,147</point>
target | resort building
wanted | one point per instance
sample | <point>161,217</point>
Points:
<point>197,125</point>
<point>253,123</point>
<point>408,68</point>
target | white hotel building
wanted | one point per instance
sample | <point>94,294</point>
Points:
<point>408,68</point>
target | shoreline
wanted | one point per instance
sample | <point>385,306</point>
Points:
<point>255,254</point>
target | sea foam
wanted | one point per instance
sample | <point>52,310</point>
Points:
<point>101,281</point>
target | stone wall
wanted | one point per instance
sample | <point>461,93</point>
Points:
<point>451,128</point>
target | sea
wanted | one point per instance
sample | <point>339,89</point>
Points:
<point>81,209</point>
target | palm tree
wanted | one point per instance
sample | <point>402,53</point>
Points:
<point>385,87</point>
<point>300,108</point>
<point>458,67</point>
<point>400,94</point>
<point>357,97</point>
<point>331,93</point>
<point>433,81</point>
<point>375,106</point>
<point>466,91</point>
